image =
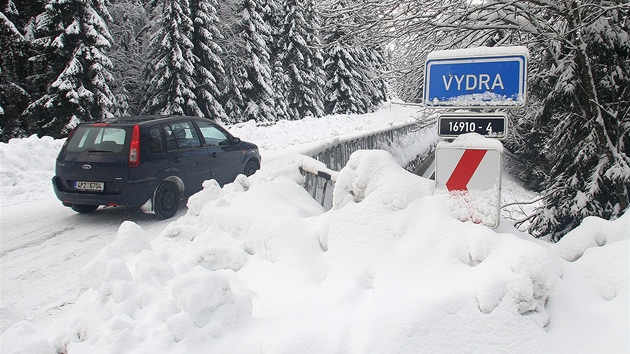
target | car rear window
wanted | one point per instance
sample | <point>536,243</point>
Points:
<point>97,139</point>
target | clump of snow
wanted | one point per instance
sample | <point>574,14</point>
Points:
<point>23,337</point>
<point>592,232</point>
<point>376,174</point>
<point>9,314</point>
<point>474,141</point>
<point>478,52</point>
<point>106,266</point>
<point>485,99</point>
<point>478,206</point>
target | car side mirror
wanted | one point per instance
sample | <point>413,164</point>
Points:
<point>235,140</point>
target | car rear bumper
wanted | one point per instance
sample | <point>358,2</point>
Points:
<point>135,193</point>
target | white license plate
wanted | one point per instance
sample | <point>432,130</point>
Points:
<point>89,186</point>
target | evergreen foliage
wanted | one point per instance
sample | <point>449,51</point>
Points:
<point>300,54</point>
<point>274,14</point>
<point>354,83</point>
<point>209,66</point>
<point>586,117</point>
<point>171,65</point>
<point>14,97</point>
<point>71,38</point>
<point>130,30</point>
<point>249,91</point>
<point>342,90</point>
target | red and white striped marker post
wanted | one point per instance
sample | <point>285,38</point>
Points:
<point>472,175</point>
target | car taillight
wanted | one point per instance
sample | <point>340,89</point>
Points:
<point>65,143</point>
<point>134,147</point>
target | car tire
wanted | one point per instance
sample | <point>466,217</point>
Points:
<point>250,168</point>
<point>166,201</point>
<point>83,208</point>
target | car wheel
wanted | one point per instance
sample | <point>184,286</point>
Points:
<point>166,202</point>
<point>83,208</point>
<point>250,168</point>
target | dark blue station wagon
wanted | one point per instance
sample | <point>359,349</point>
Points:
<point>151,162</point>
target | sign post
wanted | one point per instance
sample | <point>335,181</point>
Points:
<point>470,168</point>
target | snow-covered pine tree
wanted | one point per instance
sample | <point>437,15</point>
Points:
<point>273,13</point>
<point>14,97</point>
<point>233,98</point>
<point>280,88</point>
<point>354,82</point>
<point>171,64</point>
<point>586,114</point>
<point>343,89</point>
<point>72,38</point>
<point>130,30</point>
<point>209,68</point>
<point>300,52</point>
<point>249,93</point>
<point>375,86</point>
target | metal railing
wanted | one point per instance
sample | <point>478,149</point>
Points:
<point>337,157</point>
<point>320,184</point>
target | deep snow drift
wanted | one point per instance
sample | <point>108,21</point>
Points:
<point>259,266</point>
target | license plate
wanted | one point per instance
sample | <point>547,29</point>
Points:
<point>89,186</point>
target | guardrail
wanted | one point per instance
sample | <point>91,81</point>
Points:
<point>336,157</point>
<point>320,183</point>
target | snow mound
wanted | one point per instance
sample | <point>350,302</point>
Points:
<point>259,266</point>
<point>377,174</point>
<point>592,232</point>
<point>27,167</point>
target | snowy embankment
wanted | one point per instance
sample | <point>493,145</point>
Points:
<point>26,168</point>
<point>259,266</point>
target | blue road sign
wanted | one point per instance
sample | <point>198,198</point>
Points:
<point>484,81</point>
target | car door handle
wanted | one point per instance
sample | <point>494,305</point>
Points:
<point>176,160</point>
<point>214,154</point>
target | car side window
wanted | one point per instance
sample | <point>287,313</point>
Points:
<point>155,140</point>
<point>213,135</point>
<point>181,135</point>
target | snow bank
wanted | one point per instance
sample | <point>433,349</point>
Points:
<point>592,232</point>
<point>258,266</point>
<point>311,135</point>
<point>27,167</point>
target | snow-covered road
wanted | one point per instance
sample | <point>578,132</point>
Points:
<point>62,241</point>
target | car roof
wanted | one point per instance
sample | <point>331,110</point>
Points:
<point>146,119</point>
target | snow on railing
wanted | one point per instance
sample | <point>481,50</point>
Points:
<point>320,181</point>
